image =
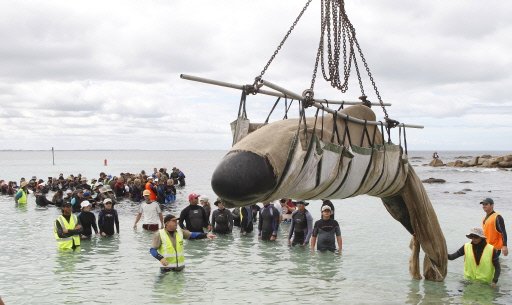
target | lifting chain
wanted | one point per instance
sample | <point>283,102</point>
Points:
<point>337,32</point>
<point>259,78</point>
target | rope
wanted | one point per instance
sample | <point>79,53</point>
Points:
<point>272,110</point>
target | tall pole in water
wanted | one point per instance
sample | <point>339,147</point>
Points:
<point>53,156</point>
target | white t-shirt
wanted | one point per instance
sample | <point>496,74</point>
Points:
<point>150,212</point>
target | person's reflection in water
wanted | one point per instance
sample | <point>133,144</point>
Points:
<point>168,288</point>
<point>65,264</point>
<point>427,292</point>
<point>478,293</point>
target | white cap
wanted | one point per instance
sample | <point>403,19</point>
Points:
<point>326,207</point>
<point>204,198</point>
<point>69,192</point>
<point>85,203</point>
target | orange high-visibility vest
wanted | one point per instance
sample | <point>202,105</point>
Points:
<point>494,237</point>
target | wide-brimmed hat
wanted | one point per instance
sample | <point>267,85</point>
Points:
<point>23,184</point>
<point>146,193</point>
<point>476,231</point>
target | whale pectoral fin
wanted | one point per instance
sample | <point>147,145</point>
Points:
<point>397,208</point>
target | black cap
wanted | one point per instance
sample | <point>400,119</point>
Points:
<point>487,200</point>
<point>302,202</point>
<point>66,204</point>
<point>170,217</point>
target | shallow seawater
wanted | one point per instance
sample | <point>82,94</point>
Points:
<point>373,268</point>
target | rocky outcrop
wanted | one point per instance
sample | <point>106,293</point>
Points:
<point>436,162</point>
<point>433,180</point>
<point>482,161</point>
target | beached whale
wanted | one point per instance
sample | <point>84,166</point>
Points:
<point>333,159</point>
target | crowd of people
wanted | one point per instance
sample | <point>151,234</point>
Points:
<point>75,189</point>
<point>76,196</point>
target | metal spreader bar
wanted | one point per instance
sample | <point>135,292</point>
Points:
<point>267,92</point>
<point>340,114</point>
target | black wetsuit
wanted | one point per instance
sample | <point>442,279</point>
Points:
<point>88,221</point>
<point>326,232</point>
<point>268,223</point>
<point>106,221</point>
<point>222,221</point>
<point>42,201</point>
<point>195,218</point>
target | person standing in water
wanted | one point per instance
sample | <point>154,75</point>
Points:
<point>67,229</point>
<point>193,217</point>
<point>222,219</point>
<point>302,225</point>
<point>107,219</point>
<point>494,227</point>
<point>151,212</point>
<point>268,223</point>
<point>88,220</point>
<point>481,262</point>
<point>326,233</point>
<point>21,194</point>
<point>167,244</point>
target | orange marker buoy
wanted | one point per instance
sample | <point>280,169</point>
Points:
<point>105,162</point>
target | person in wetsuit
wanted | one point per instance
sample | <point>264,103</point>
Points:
<point>326,233</point>
<point>268,223</point>
<point>302,225</point>
<point>222,219</point>
<point>88,220</point>
<point>193,217</point>
<point>107,219</point>
<point>328,203</point>
<point>481,262</point>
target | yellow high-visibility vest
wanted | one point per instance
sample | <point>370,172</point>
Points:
<point>66,243</point>
<point>175,257</point>
<point>484,271</point>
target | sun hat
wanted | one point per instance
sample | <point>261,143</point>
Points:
<point>487,200</point>
<point>476,231</point>
<point>146,193</point>
<point>24,183</point>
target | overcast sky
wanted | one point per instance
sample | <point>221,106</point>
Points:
<point>105,74</point>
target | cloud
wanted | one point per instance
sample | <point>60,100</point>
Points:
<point>94,74</point>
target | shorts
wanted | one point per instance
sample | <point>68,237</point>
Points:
<point>150,227</point>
